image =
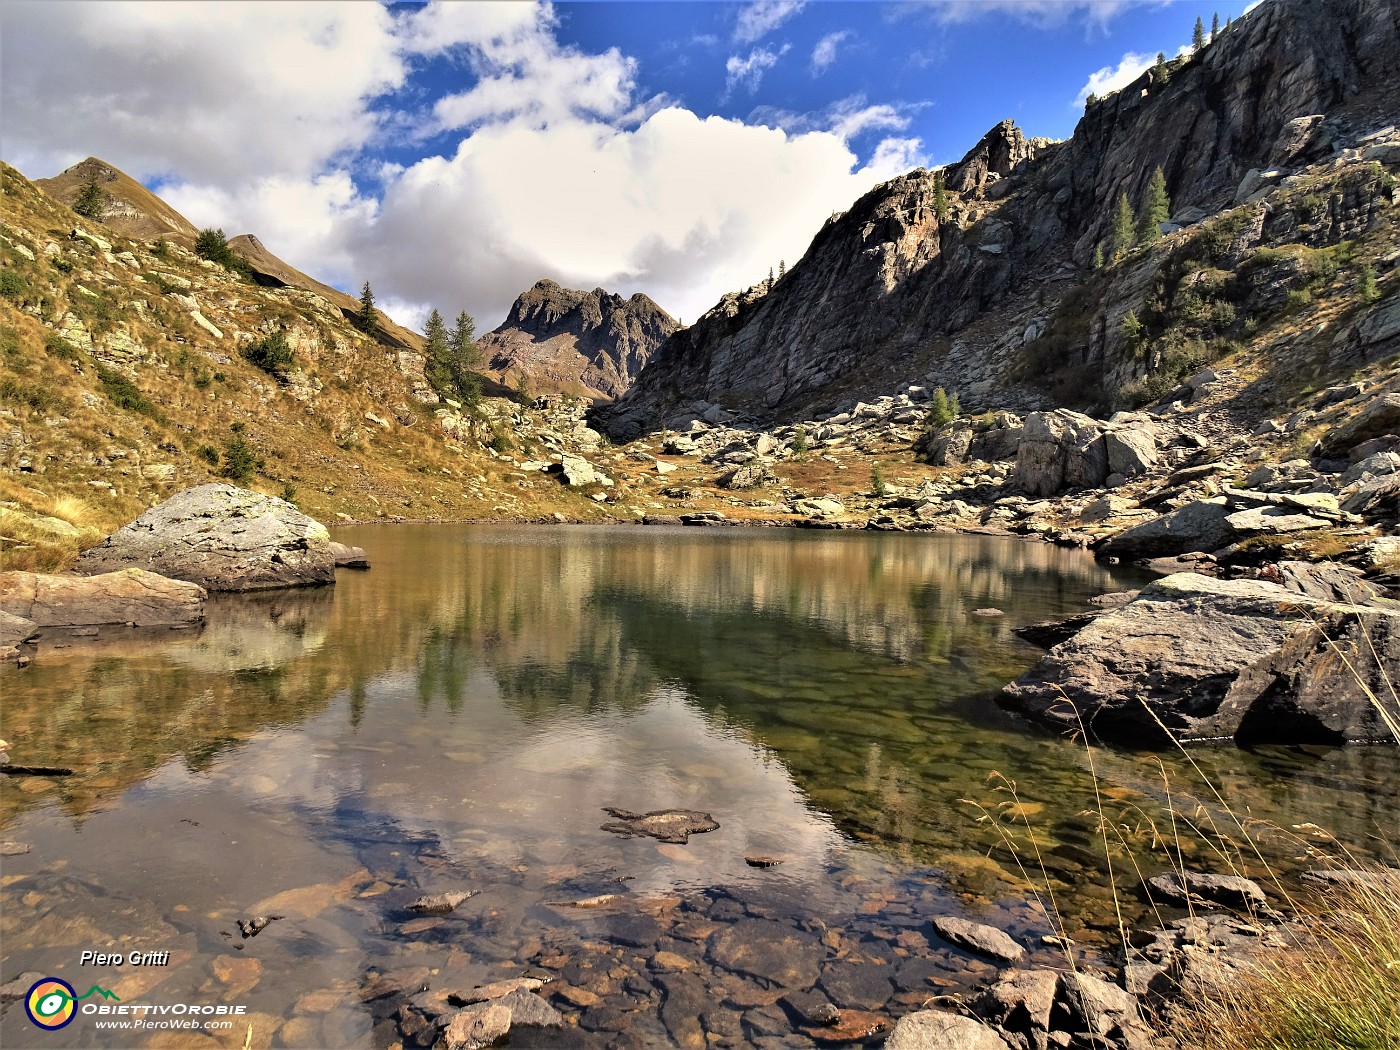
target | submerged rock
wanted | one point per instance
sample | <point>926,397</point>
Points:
<point>1230,891</point>
<point>440,903</point>
<point>978,938</point>
<point>668,825</point>
<point>223,538</point>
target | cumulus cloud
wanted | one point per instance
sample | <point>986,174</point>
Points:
<point>210,91</point>
<point>1110,78</point>
<point>825,52</point>
<point>681,207</point>
<point>748,72</point>
<point>756,20</point>
<point>559,167</point>
<point>1113,78</point>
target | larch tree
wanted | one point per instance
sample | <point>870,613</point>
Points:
<point>1122,238</point>
<point>1156,209</point>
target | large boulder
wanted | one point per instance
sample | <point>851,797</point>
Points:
<point>1132,450</point>
<point>1060,450</point>
<point>1380,417</point>
<point>939,1030</point>
<point>1199,526</point>
<point>224,538</point>
<point>134,596</point>
<point>948,447</point>
<point>1206,659</point>
<point>998,442</point>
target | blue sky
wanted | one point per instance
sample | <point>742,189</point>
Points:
<point>453,153</point>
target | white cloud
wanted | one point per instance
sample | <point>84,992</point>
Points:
<point>1110,78</point>
<point>210,91</point>
<point>560,168</point>
<point>1036,12</point>
<point>748,72</point>
<point>758,19</point>
<point>1113,78</point>
<point>825,52</point>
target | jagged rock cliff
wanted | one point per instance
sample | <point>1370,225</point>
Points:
<point>892,291</point>
<point>558,339</point>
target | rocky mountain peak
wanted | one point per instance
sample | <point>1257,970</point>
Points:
<point>130,210</point>
<point>892,292</point>
<point>997,154</point>
<point>562,339</point>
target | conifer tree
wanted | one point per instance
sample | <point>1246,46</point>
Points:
<point>437,369</point>
<point>770,279</point>
<point>1159,69</point>
<point>367,320</point>
<point>1214,26</point>
<point>782,269</point>
<point>1122,238</point>
<point>1198,36</point>
<point>464,359</point>
<point>91,200</point>
<point>1156,209</point>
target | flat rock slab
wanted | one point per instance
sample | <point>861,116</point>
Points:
<point>223,538</point>
<point>347,557</point>
<point>936,1030</point>
<point>1210,659</point>
<point>14,630</point>
<point>1228,891</point>
<point>979,938</point>
<point>495,990</point>
<point>134,596</point>
<point>668,825</point>
<point>777,953</point>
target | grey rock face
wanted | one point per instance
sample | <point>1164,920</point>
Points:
<point>146,599</point>
<point>560,338</point>
<point>889,282</point>
<point>1219,659</point>
<point>1060,450</point>
<point>223,538</point>
<point>14,630</point>
<point>1380,417</point>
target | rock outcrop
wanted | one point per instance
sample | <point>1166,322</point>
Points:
<point>560,340</point>
<point>224,538</point>
<point>128,596</point>
<point>1210,659</point>
<point>949,282</point>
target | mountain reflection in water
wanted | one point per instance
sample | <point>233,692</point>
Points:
<point>460,715</point>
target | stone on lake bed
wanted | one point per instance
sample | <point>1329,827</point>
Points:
<point>668,825</point>
<point>495,990</point>
<point>476,1026</point>
<point>978,938</point>
<point>440,903</point>
<point>936,1030</point>
<point>763,861</point>
<point>988,613</point>
<point>849,1026</point>
<point>777,953</point>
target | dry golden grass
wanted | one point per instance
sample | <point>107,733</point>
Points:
<point>1337,988</point>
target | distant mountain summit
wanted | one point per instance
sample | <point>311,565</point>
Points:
<point>558,339</point>
<point>130,209</point>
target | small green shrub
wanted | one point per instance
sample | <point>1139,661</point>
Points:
<point>289,492</point>
<point>37,396</point>
<point>499,442</point>
<point>799,442</point>
<point>61,264</point>
<point>160,249</point>
<point>12,284</point>
<point>209,454</point>
<point>273,354</point>
<point>240,460</point>
<point>57,346</point>
<point>125,394</point>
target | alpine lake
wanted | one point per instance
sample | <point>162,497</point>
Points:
<point>460,717</point>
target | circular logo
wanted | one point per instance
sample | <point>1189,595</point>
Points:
<point>50,1003</point>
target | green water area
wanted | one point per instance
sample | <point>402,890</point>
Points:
<point>460,717</point>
